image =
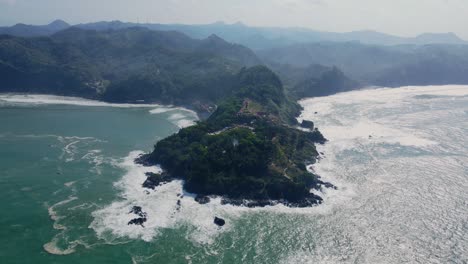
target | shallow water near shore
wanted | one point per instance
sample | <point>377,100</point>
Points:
<point>398,157</point>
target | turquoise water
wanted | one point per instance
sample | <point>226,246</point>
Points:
<point>57,165</point>
<point>68,183</point>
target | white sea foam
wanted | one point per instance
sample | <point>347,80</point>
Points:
<point>182,120</point>
<point>358,125</point>
<point>53,213</point>
<point>161,110</point>
<point>74,144</point>
<point>401,184</point>
<point>358,128</point>
<point>160,205</point>
<point>52,248</point>
<point>96,158</point>
<point>69,184</point>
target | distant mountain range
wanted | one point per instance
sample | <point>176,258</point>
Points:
<point>377,64</point>
<point>186,64</point>
<point>23,30</point>
<point>252,37</point>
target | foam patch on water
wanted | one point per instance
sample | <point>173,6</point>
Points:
<point>358,124</point>
<point>53,246</point>
<point>73,145</point>
<point>53,213</point>
<point>181,120</point>
<point>96,158</point>
<point>54,249</point>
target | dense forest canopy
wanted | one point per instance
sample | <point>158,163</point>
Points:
<point>248,149</point>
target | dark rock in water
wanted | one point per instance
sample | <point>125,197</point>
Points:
<point>316,113</point>
<point>179,204</point>
<point>308,202</point>
<point>260,203</point>
<point>144,160</point>
<point>142,216</point>
<point>202,199</point>
<point>236,202</point>
<point>307,124</point>
<point>327,185</point>
<point>135,209</point>
<point>138,221</point>
<point>312,200</point>
<point>219,221</point>
<point>154,180</point>
<point>138,211</point>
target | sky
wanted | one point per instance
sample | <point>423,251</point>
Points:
<point>397,17</point>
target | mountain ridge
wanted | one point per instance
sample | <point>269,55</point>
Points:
<point>254,37</point>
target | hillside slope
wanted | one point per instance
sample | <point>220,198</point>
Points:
<point>249,151</point>
<point>126,65</point>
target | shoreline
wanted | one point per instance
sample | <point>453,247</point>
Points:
<point>56,99</point>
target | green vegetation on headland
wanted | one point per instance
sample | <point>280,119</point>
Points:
<point>249,151</point>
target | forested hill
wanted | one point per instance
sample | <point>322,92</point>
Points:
<point>249,151</point>
<point>128,65</point>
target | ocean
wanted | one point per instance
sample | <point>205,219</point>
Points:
<point>399,158</point>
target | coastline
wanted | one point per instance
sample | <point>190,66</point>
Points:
<point>53,99</point>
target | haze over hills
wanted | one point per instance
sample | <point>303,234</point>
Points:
<point>252,37</point>
<point>118,61</point>
<point>380,65</point>
<point>23,30</point>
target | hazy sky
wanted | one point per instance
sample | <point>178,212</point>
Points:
<point>400,17</point>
